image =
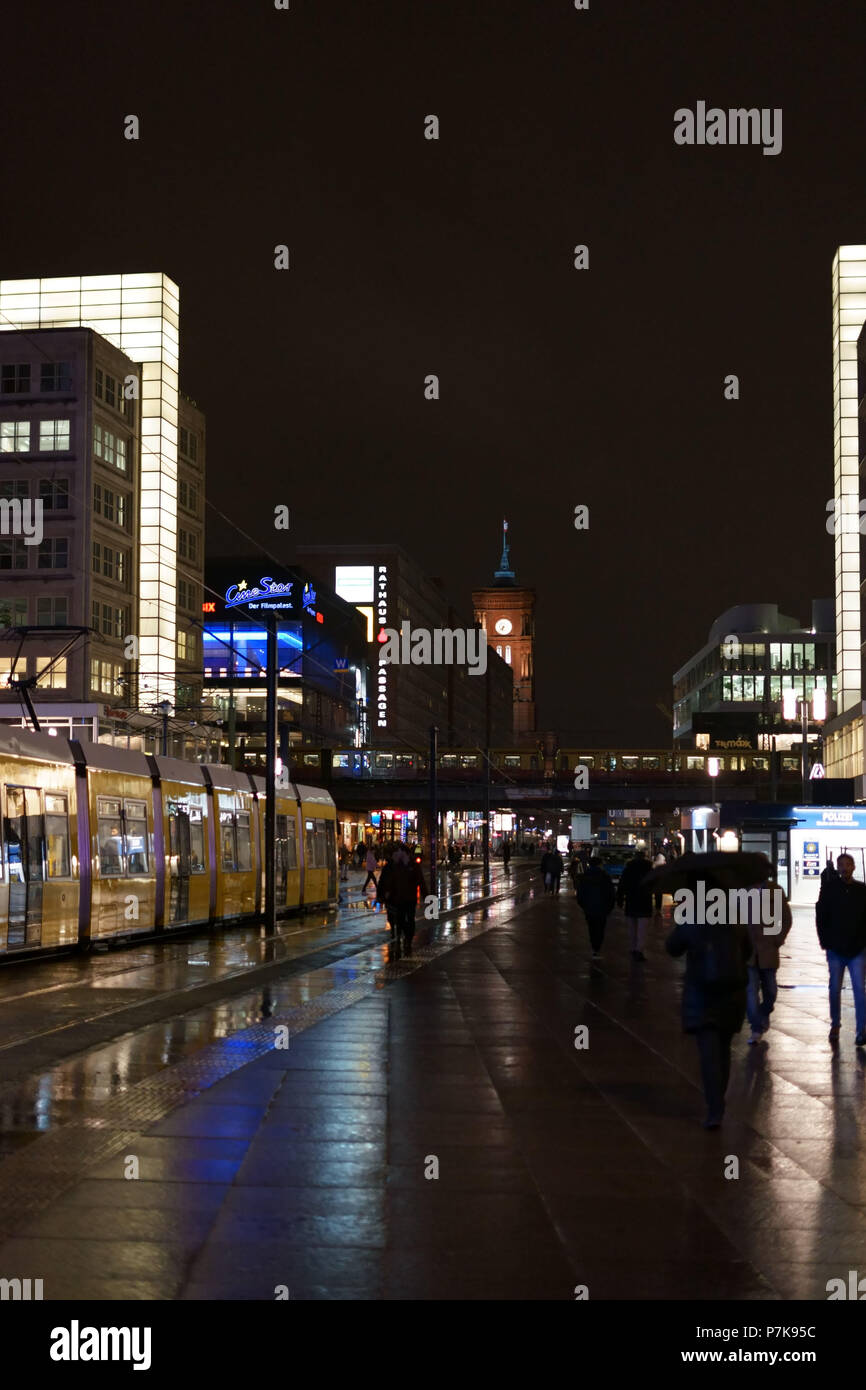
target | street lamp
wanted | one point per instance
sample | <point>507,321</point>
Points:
<point>164,708</point>
<point>794,706</point>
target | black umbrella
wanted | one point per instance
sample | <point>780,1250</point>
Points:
<point>736,870</point>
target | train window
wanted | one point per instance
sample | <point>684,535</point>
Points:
<point>135,836</point>
<point>629,763</point>
<point>243,841</point>
<point>312,759</point>
<point>760,764</point>
<point>694,764</point>
<point>468,759</point>
<point>340,760</point>
<point>109,836</point>
<point>588,759</point>
<point>384,760</point>
<point>650,762</point>
<point>448,760</point>
<point>196,841</point>
<point>228,853</point>
<point>291,843</point>
<point>511,760</point>
<point>404,760</point>
<point>57,835</point>
<point>790,764</point>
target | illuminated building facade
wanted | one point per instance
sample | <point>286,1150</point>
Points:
<point>139,315</point>
<point>322,652</point>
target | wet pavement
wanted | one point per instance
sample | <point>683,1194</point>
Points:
<point>431,1131</point>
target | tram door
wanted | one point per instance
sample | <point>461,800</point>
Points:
<point>24,838</point>
<point>179,849</point>
<point>331,856</point>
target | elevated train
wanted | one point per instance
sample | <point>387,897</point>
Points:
<point>100,844</point>
<point>534,765</point>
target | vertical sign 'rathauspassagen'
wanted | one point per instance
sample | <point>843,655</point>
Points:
<point>382,621</point>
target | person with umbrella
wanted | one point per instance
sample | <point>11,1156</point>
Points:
<point>637,899</point>
<point>717,957</point>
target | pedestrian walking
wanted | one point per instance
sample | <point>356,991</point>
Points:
<point>344,863</point>
<point>766,937</point>
<point>596,896</point>
<point>714,1000</point>
<point>506,854</point>
<point>658,895</point>
<point>551,869</point>
<point>371,864</point>
<point>399,884</point>
<point>575,869</point>
<point>840,916</point>
<point>636,899</point>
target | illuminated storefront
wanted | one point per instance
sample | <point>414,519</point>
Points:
<point>321,650</point>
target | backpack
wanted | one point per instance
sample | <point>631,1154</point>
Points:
<point>717,957</point>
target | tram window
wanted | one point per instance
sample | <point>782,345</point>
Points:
<point>135,836</point>
<point>315,843</point>
<point>196,841</point>
<point>341,760</point>
<point>384,760</point>
<point>243,841</point>
<point>109,836</point>
<point>291,843</point>
<point>227,841</point>
<point>15,831</point>
<point>57,835</point>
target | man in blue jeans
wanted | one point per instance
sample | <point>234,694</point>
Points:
<point>840,915</point>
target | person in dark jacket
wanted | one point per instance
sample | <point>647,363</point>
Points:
<point>399,883</point>
<point>840,916</point>
<point>551,869</point>
<point>596,896</point>
<point>506,854</point>
<point>637,900</point>
<point>762,988</point>
<point>714,1000</point>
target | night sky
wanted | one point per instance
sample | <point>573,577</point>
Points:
<point>455,257</point>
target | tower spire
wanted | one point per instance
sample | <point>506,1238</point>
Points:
<point>505,574</point>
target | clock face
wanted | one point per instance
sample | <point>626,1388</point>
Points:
<point>503,627</point>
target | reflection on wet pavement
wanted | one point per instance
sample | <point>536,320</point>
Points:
<point>42,999</point>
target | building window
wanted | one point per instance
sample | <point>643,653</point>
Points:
<point>53,436</point>
<point>13,555</point>
<point>105,676</point>
<point>54,493</point>
<point>15,437</point>
<point>109,448</point>
<point>188,496</point>
<point>14,376</point>
<point>189,444</point>
<point>13,612</point>
<point>14,489</point>
<point>186,646</point>
<point>99,384</point>
<point>110,390</point>
<point>55,376</point>
<point>508,655</point>
<point>52,612</point>
<point>53,553</point>
<point>108,504</point>
<point>187,594</point>
<point>55,679</point>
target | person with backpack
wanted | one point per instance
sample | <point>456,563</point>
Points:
<point>714,999</point>
<point>399,885</point>
<point>596,896</point>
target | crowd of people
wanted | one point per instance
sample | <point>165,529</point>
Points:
<point>731,969</point>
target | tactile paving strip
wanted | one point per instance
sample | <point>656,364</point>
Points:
<point>34,1178</point>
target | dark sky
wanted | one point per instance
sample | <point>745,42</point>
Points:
<point>454,257</point>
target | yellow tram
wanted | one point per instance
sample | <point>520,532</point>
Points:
<point>101,844</point>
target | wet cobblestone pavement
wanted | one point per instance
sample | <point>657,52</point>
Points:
<point>312,1168</point>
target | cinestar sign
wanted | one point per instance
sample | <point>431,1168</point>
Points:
<point>267,588</point>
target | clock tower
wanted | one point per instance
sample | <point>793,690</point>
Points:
<point>506,612</point>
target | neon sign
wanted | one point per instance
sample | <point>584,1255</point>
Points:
<point>267,588</point>
<point>382,617</point>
